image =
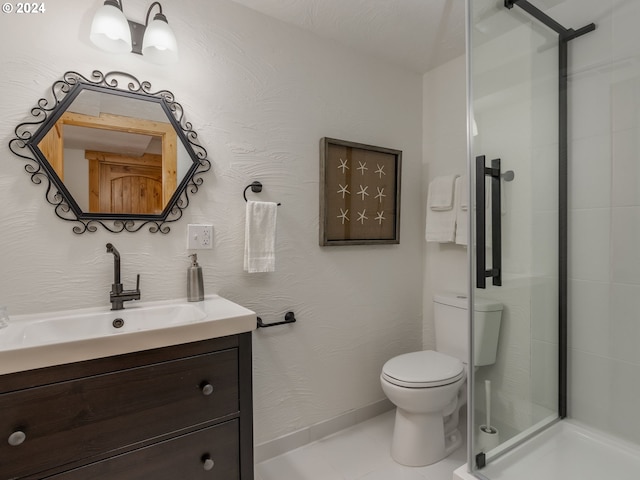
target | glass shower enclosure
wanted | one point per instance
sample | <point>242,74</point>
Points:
<point>518,157</point>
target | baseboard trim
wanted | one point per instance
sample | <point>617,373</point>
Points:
<point>299,438</point>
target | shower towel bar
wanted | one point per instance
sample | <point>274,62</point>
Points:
<point>496,223</point>
<point>289,317</point>
<point>256,187</point>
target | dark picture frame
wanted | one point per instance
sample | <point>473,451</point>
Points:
<point>359,193</point>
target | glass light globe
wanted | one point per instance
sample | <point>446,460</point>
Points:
<point>110,29</point>
<point>159,44</point>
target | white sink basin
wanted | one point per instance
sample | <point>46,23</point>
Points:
<point>41,340</point>
<point>63,327</point>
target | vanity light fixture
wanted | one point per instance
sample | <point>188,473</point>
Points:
<point>113,32</point>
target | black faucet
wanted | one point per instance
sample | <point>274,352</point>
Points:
<point>118,295</point>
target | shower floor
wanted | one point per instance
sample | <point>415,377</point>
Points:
<point>565,451</point>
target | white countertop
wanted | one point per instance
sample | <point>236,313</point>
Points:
<point>54,338</point>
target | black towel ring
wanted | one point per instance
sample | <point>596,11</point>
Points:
<point>256,187</point>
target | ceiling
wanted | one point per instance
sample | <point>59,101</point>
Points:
<point>416,34</point>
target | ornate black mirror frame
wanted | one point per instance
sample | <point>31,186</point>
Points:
<point>48,111</point>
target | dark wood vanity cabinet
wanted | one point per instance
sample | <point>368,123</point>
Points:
<point>180,412</point>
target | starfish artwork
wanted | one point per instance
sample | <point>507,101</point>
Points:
<point>359,193</point>
<point>363,191</point>
<point>344,190</point>
<point>343,165</point>
<point>343,215</point>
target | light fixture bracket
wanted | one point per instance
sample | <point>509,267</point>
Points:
<point>138,29</point>
<point>137,35</point>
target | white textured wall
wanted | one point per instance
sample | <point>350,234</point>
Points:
<point>261,94</point>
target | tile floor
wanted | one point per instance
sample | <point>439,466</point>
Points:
<point>360,452</point>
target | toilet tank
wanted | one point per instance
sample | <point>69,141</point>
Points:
<point>452,327</point>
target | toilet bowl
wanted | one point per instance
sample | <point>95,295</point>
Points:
<point>428,387</point>
<point>425,387</point>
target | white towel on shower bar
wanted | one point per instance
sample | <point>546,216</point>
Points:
<point>260,237</point>
<point>462,210</point>
<point>440,224</point>
<point>462,191</point>
<point>441,192</point>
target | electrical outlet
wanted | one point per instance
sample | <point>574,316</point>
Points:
<point>199,236</point>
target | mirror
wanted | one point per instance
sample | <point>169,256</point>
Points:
<point>120,158</point>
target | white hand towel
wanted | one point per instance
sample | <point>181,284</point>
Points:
<point>441,192</point>
<point>463,192</point>
<point>440,224</point>
<point>462,210</point>
<point>260,237</point>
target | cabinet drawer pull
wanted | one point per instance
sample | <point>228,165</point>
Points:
<point>17,438</point>
<point>207,388</point>
<point>207,462</point>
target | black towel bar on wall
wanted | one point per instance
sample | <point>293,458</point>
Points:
<point>289,317</point>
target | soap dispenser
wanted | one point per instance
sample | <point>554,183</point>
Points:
<point>195,285</point>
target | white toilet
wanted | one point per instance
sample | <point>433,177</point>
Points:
<point>428,387</point>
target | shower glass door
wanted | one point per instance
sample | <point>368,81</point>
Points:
<point>513,113</point>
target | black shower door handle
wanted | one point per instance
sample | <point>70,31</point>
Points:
<point>496,223</point>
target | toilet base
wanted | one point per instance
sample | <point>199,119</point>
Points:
<point>419,439</point>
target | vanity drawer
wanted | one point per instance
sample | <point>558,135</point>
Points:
<point>211,453</point>
<point>74,420</point>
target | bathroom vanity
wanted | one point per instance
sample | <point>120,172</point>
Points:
<point>180,411</point>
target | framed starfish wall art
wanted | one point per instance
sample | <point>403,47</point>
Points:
<point>359,193</point>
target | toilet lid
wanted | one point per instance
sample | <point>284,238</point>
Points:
<point>423,369</point>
